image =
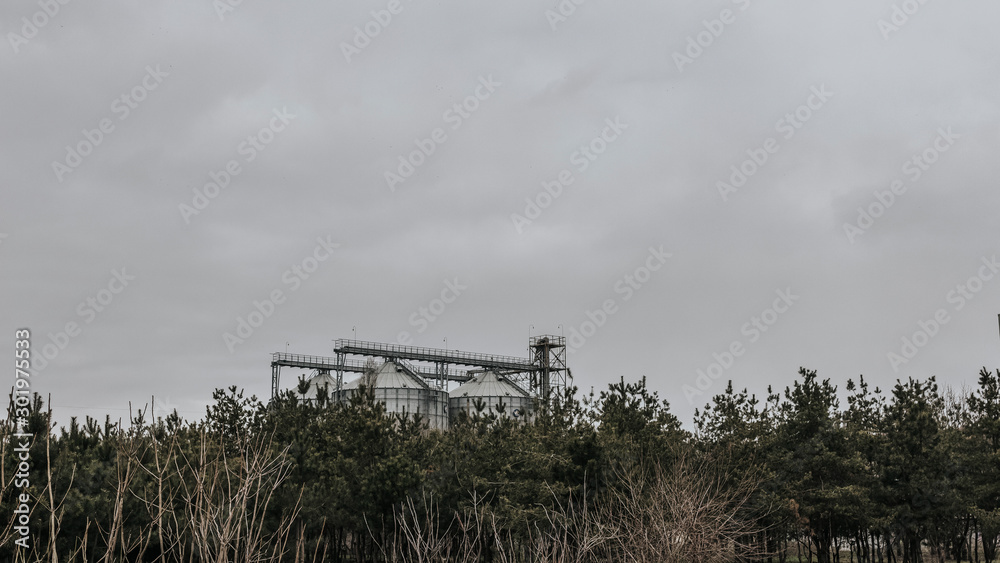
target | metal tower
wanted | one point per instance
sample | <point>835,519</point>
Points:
<point>548,354</point>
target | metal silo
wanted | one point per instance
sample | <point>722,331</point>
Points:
<point>324,380</point>
<point>491,392</point>
<point>402,391</point>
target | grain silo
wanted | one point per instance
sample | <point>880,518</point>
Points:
<point>320,380</point>
<point>489,393</point>
<point>402,391</point>
<point>414,379</point>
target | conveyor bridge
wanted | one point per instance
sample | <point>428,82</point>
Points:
<point>544,370</point>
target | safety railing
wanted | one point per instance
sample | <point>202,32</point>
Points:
<point>344,346</point>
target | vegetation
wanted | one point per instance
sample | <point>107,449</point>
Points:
<point>902,477</point>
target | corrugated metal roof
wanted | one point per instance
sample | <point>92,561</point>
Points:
<point>488,384</point>
<point>390,376</point>
<point>320,380</point>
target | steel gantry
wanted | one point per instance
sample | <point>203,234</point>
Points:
<point>544,370</point>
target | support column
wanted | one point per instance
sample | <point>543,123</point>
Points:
<point>275,379</point>
<point>340,371</point>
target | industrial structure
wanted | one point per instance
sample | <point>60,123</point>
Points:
<point>416,380</point>
<point>403,392</point>
<point>489,393</point>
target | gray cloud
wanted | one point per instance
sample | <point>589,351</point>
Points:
<point>323,175</point>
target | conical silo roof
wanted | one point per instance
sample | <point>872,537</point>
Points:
<point>389,376</point>
<point>488,384</point>
<point>321,380</point>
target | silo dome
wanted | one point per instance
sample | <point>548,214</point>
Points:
<point>402,391</point>
<point>321,379</point>
<point>389,376</point>
<point>491,391</point>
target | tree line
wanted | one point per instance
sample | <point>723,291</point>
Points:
<point>900,476</point>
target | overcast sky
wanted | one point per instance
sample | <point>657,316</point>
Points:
<point>169,168</point>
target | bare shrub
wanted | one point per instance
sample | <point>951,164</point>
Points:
<point>226,500</point>
<point>690,513</point>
